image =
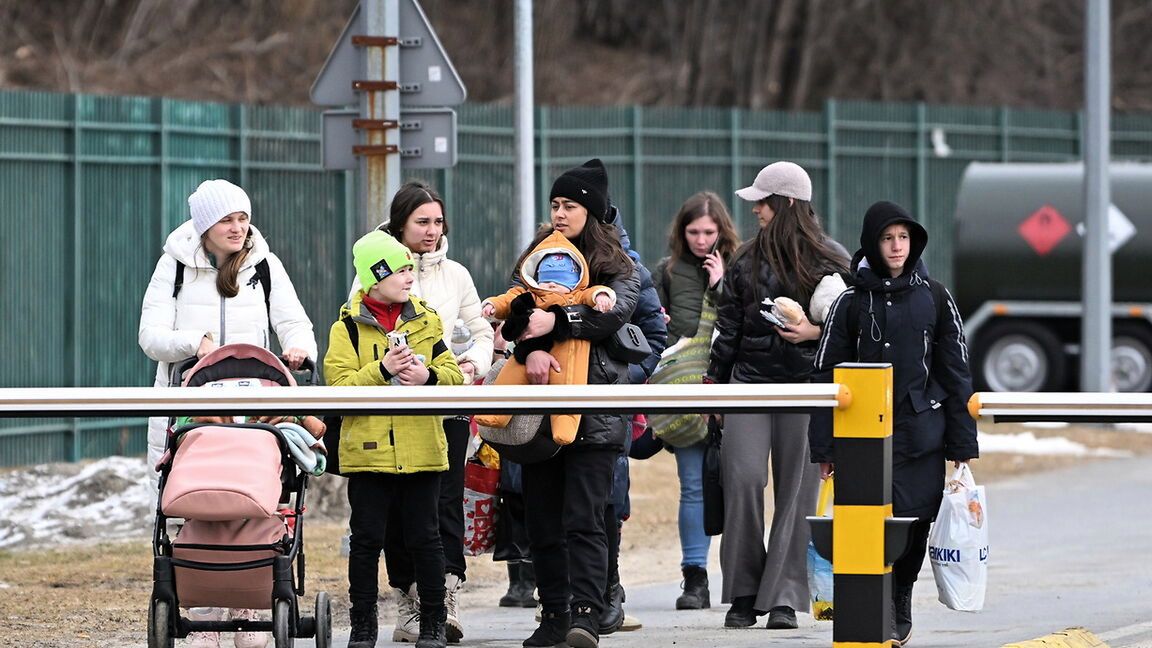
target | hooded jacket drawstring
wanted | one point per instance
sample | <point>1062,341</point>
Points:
<point>874,327</point>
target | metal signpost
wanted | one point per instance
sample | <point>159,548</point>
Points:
<point>389,61</point>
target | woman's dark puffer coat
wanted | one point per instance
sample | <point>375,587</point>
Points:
<point>603,369</point>
<point>747,348</point>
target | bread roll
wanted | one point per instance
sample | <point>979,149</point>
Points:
<point>787,310</point>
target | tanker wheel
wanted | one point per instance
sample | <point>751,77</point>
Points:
<point>1131,357</point>
<point>1019,357</point>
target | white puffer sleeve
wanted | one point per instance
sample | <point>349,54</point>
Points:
<point>158,335</point>
<point>288,318</point>
<point>480,353</point>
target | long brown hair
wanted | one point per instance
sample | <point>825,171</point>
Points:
<point>227,272</point>
<point>795,247</point>
<point>408,199</point>
<point>705,203</point>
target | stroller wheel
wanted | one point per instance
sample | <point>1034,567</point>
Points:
<point>281,622</point>
<point>323,620</point>
<point>160,625</point>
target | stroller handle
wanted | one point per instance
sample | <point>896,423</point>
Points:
<point>305,375</point>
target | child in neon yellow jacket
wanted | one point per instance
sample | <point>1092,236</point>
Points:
<point>391,460</point>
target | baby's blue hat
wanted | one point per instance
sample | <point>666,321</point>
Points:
<point>559,267</point>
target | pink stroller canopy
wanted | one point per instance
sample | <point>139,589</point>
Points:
<point>239,361</point>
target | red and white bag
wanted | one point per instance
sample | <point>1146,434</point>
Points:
<point>480,485</point>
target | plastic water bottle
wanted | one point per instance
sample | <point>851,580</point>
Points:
<point>461,338</point>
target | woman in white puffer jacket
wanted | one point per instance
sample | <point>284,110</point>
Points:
<point>221,299</point>
<point>207,291</point>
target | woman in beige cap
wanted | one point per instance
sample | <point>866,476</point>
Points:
<point>786,259</point>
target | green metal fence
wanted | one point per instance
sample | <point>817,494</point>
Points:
<point>90,186</point>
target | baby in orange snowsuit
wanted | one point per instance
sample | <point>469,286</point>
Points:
<point>556,275</point>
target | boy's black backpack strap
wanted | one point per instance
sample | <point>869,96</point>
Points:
<point>353,333</point>
<point>333,423</point>
<point>178,282</point>
<point>940,296</point>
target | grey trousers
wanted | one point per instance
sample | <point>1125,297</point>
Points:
<point>776,575</point>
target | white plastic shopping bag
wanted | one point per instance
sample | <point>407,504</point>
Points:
<point>958,544</point>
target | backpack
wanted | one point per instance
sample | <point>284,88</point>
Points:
<point>263,276</point>
<point>333,422</point>
<point>939,295</point>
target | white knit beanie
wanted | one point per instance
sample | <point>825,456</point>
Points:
<point>213,200</point>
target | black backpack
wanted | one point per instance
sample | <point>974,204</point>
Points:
<point>332,422</point>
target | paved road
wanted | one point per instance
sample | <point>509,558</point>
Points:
<point>1068,548</point>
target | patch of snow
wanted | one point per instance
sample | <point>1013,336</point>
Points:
<point>67,503</point>
<point>1026,443</point>
<point>1143,428</point>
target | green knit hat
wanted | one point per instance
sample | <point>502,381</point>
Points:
<point>377,255</point>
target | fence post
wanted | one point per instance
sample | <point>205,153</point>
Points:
<point>865,538</point>
<point>638,218</point>
<point>921,160</point>
<point>832,221</point>
<point>544,176</point>
<point>78,264</point>
<point>1005,139</point>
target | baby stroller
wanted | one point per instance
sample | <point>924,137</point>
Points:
<point>239,541</point>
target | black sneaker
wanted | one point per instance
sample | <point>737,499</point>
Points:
<point>742,614</point>
<point>584,632</point>
<point>364,627</point>
<point>552,630</point>
<point>782,618</point>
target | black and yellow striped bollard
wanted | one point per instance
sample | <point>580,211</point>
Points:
<point>862,539</point>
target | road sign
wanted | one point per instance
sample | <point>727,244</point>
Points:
<point>427,77</point>
<point>427,138</point>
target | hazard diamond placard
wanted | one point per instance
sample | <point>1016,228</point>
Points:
<point>1044,229</point>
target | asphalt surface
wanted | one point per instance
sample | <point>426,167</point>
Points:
<point>1067,548</point>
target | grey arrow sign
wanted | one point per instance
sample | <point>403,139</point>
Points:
<point>427,77</point>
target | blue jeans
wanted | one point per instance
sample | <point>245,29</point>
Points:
<point>694,542</point>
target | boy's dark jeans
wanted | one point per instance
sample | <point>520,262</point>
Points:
<point>372,496</point>
<point>451,512</point>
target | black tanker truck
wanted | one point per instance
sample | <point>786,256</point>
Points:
<point>1018,265</point>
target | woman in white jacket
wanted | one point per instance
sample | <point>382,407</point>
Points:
<point>416,219</point>
<point>208,289</point>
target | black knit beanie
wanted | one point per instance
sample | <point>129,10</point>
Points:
<point>587,185</point>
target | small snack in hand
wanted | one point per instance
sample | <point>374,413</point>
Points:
<point>787,310</point>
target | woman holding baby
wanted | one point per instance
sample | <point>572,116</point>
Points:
<point>760,343</point>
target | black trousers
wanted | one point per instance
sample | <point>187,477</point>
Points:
<point>612,527</point>
<point>905,570</point>
<point>450,510</point>
<point>565,501</point>
<point>374,497</point>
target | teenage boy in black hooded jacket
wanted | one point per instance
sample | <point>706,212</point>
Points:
<point>890,314</point>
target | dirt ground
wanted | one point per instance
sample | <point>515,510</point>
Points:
<point>97,594</point>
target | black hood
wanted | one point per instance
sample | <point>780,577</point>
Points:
<point>879,216</point>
